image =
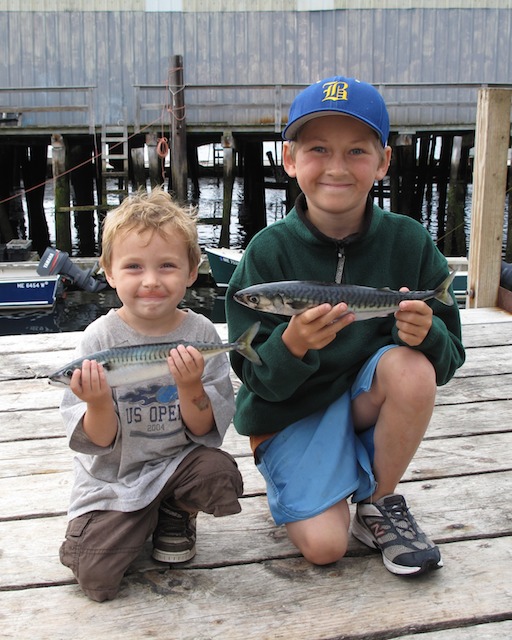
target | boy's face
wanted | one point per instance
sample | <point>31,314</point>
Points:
<point>150,274</point>
<point>336,161</point>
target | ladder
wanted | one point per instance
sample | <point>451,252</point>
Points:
<point>114,169</point>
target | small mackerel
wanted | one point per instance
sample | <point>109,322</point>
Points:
<point>289,298</point>
<point>128,365</point>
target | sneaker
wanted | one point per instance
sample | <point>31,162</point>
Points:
<point>174,539</point>
<point>389,526</point>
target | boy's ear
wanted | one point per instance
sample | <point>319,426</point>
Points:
<point>289,160</point>
<point>193,276</point>
<point>110,279</point>
<point>384,165</point>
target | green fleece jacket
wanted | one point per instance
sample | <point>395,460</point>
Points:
<point>393,251</point>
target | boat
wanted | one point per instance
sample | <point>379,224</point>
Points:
<point>21,287</point>
<point>222,263</point>
<point>29,285</point>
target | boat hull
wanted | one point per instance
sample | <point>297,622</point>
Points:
<point>223,262</point>
<point>26,292</point>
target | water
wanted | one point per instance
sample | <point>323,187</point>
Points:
<point>79,308</point>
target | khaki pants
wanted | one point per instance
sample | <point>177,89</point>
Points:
<point>100,545</point>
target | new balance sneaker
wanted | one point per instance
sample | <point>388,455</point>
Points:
<point>174,539</point>
<point>389,526</point>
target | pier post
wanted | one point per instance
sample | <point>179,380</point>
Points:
<point>228,146</point>
<point>61,193</point>
<point>138,169</point>
<point>155,163</point>
<point>255,214</point>
<point>82,179</point>
<point>33,167</point>
<point>455,236</point>
<point>178,129</point>
<point>492,140</point>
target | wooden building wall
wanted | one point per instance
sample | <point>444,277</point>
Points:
<point>430,48</point>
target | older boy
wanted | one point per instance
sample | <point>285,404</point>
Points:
<point>339,407</point>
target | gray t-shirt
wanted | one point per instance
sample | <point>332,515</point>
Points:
<point>151,438</point>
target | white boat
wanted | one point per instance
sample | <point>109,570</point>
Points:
<point>31,285</point>
<point>222,263</point>
<point>21,287</point>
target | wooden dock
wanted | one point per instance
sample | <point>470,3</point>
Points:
<point>247,581</point>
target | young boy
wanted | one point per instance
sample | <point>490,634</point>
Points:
<point>339,407</point>
<point>147,458</point>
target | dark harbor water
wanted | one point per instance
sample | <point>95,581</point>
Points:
<point>78,309</point>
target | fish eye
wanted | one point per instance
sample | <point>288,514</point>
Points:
<point>68,373</point>
<point>253,299</point>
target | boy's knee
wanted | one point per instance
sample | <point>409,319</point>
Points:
<point>98,582</point>
<point>319,551</point>
<point>410,371</point>
<point>215,484</point>
<point>319,545</point>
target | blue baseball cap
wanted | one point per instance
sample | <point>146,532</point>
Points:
<point>339,95</point>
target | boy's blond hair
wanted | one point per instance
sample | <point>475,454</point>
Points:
<point>150,212</point>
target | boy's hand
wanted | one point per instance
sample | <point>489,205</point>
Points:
<point>90,384</point>
<point>186,365</point>
<point>413,321</point>
<point>315,328</point>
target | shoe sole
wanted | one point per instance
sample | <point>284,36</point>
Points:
<point>173,557</point>
<point>360,532</point>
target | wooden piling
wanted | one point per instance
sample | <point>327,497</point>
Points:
<point>61,193</point>
<point>228,146</point>
<point>178,129</point>
<point>34,176</point>
<point>82,179</point>
<point>254,214</point>
<point>455,236</point>
<point>154,162</point>
<point>138,169</point>
<point>492,141</point>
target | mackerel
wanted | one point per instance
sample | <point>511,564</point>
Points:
<point>289,298</point>
<point>129,365</point>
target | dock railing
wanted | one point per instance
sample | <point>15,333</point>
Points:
<point>17,102</point>
<point>250,107</point>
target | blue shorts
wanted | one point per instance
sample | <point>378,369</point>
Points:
<point>320,460</point>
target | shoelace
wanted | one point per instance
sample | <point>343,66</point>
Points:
<point>398,513</point>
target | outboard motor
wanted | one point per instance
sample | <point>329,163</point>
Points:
<point>55,262</point>
<point>506,275</point>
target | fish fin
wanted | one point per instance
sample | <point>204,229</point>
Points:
<point>244,343</point>
<point>441,293</point>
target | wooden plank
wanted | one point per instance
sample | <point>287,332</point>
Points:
<point>449,509</point>
<point>29,395</point>
<point>486,631</point>
<point>434,458</point>
<point>477,327</point>
<point>475,389</point>
<point>496,360</point>
<point>492,138</point>
<point>484,315</point>
<point>486,335</point>
<point>448,420</point>
<point>284,598</point>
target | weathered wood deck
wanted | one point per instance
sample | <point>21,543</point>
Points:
<point>247,581</point>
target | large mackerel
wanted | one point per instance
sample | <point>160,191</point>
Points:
<point>129,365</point>
<point>289,298</point>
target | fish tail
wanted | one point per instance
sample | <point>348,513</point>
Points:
<point>243,344</point>
<point>441,293</point>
